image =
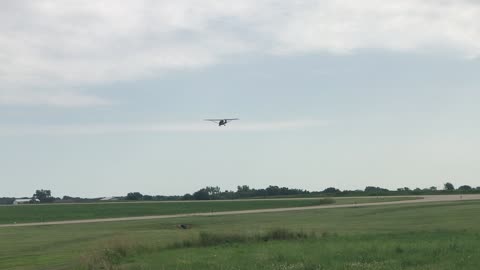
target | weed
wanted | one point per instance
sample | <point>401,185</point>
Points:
<point>207,239</point>
<point>110,255</point>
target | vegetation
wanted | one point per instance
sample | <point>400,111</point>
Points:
<point>56,212</point>
<point>449,186</point>
<point>208,239</point>
<point>434,250</point>
<point>115,252</point>
<point>6,200</point>
<point>134,196</point>
<point>408,236</point>
<point>44,196</point>
<point>245,192</point>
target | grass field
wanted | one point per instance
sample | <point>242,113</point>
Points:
<point>416,236</point>
<point>433,250</point>
<point>58,212</point>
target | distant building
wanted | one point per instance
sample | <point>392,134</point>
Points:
<point>23,201</point>
<point>109,199</point>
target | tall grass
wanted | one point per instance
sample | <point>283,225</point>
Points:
<point>114,253</point>
<point>111,254</point>
<point>207,239</point>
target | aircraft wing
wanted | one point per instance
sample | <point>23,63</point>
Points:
<point>218,120</point>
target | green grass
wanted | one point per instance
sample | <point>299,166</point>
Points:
<point>58,212</point>
<point>423,250</point>
<point>416,236</point>
<point>432,250</point>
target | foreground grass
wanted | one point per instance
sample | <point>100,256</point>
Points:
<point>58,212</point>
<point>112,255</point>
<point>423,250</point>
<point>354,232</point>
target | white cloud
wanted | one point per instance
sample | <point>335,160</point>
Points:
<point>59,99</point>
<point>189,127</point>
<point>343,26</point>
<point>46,44</point>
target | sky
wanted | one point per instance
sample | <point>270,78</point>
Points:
<point>102,98</point>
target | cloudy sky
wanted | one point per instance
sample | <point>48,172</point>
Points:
<point>102,98</point>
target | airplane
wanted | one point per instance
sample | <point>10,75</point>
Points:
<point>222,122</point>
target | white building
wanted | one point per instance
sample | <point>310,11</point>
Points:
<point>109,199</point>
<point>23,201</point>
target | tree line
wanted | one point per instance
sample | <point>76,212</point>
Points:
<point>245,191</point>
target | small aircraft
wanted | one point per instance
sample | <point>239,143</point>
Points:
<point>222,122</point>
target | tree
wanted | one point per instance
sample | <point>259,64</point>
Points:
<point>213,192</point>
<point>432,188</point>
<point>147,197</point>
<point>6,200</point>
<point>331,190</point>
<point>465,188</point>
<point>371,189</point>
<point>187,197</point>
<point>273,190</point>
<point>202,194</point>
<point>404,189</point>
<point>243,189</point>
<point>134,196</point>
<point>43,196</point>
<point>448,186</point>
<point>417,191</point>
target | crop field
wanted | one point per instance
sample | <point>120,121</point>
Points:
<point>58,212</point>
<point>440,235</point>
